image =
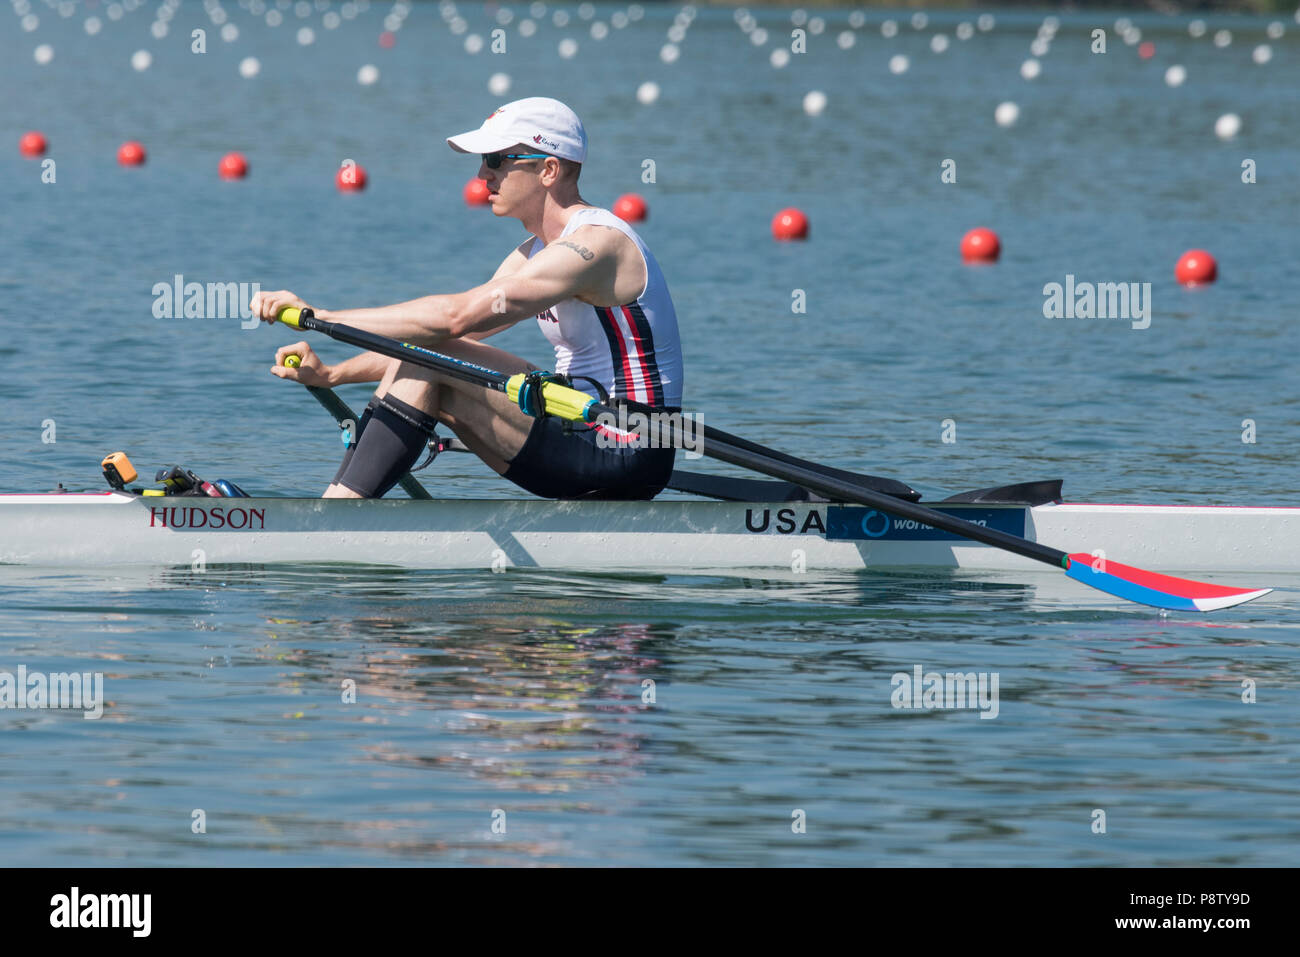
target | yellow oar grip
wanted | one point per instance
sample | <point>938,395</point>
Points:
<point>289,316</point>
<point>561,401</point>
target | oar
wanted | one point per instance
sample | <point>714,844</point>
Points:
<point>1123,581</point>
<point>344,415</point>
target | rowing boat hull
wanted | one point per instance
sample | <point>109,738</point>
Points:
<point>72,530</point>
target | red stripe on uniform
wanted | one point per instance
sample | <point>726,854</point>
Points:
<point>622,348</point>
<point>646,388</point>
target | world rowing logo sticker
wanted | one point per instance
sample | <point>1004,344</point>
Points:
<point>875,524</point>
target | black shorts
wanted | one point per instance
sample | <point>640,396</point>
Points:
<point>560,463</point>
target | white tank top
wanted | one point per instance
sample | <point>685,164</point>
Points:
<point>633,350</point>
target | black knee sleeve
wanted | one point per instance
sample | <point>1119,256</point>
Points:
<point>391,440</point>
<point>357,429</point>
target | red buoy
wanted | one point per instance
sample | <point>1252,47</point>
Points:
<point>1146,49</point>
<point>790,224</point>
<point>388,39</point>
<point>233,166</point>
<point>981,245</point>
<point>1195,267</point>
<point>32,144</point>
<point>476,192</point>
<point>131,153</point>
<point>351,178</point>
<point>630,208</point>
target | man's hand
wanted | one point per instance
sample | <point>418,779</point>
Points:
<point>311,371</point>
<point>267,305</point>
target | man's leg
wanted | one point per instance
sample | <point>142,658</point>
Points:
<point>412,399</point>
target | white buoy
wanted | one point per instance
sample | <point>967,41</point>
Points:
<point>938,43</point>
<point>141,60</point>
<point>647,92</point>
<point>93,25</point>
<point>780,57</point>
<point>846,39</point>
<point>306,36</point>
<point>1196,28</point>
<point>889,29</point>
<point>669,52</point>
<point>527,27</point>
<point>985,22</point>
<point>1006,114</point>
<point>1222,38</point>
<point>898,64</point>
<point>568,48</point>
<point>1227,126</point>
<point>249,67</point>
<point>965,31</point>
<point>919,20</point>
<point>599,30</point>
<point>274,18</point>
<point>814,102</point>
<point>1039,47</point>
<point>1275,30</point>
<point>758,36</point>
<point>1176,75</point>
<point>230,33</point>
<point>1030,69</point>
<point>499,84</point>
<point>368,75</point>
<point>43,54</point>
<point>1262,54</point>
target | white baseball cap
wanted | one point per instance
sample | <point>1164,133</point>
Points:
<point>545,123</point>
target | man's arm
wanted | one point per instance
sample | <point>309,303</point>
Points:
<point>580,265</point>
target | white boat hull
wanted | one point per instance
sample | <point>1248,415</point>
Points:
<point>72,530</point>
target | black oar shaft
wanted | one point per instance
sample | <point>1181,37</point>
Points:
<point>716,444</point>
<point>842,491</point>
<point>416,355</point>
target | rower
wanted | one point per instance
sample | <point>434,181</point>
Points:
<point>597,294</point>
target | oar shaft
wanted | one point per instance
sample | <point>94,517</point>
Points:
<point>717,444</point>
<point>448,365</point>
<point>842,491</point>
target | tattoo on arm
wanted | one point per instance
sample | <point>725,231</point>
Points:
<point>582,251</point>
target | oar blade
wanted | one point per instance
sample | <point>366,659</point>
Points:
<point>1152,588</point>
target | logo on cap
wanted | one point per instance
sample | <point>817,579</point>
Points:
<point>539,138</point>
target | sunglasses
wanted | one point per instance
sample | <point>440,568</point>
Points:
<point>494,160</point>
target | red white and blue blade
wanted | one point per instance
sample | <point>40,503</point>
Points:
<point>1150,588</point>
